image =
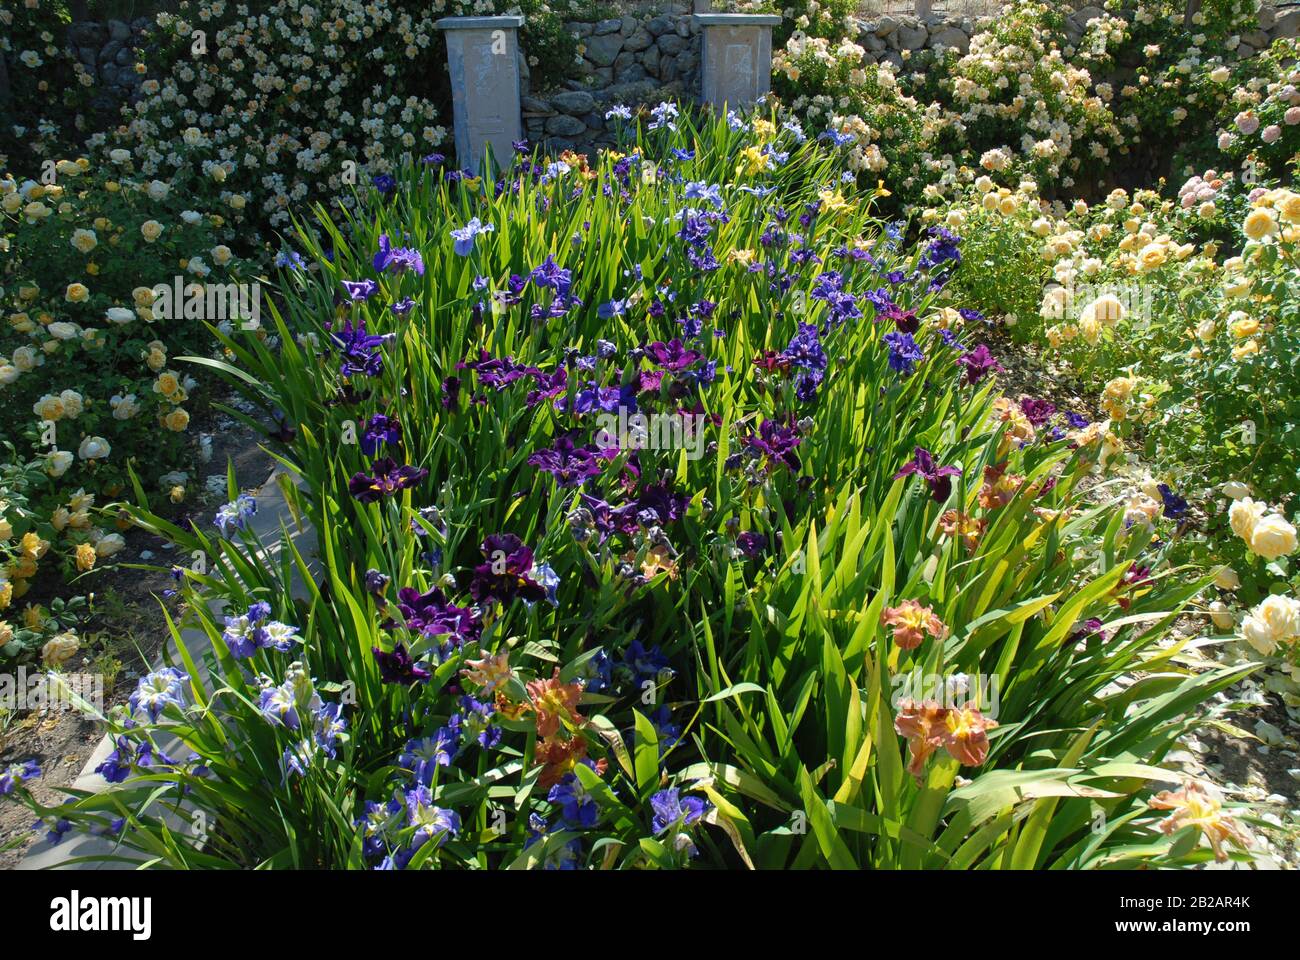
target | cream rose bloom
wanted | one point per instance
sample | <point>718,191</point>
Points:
<point>109,544</point>
<point>151,230</point>
<point>84,240</point>
<point>1227,579</point>
<point>1275,621</point>
<point>59,649</point>
<point>1221,616</point>
<point>1273,537</point>
<point>1243,515</point>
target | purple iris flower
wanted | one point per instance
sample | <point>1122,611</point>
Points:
<point>360,289</point>
<point>805,350</point>
<point>432,615</point>
<point>1037,412</point>
<point>392,259</point>
<point>473,722</point>
<point>904,354</point>
<point>942,249</point>
<point>398,667</point>
<point>388,478</point>
<point>1175,506</point>
<point>17,774</point>
<point>499,373</point>
<point>551,274</point>
<point>939,478</point>
<point>507,572</point>
<point>777,441</point>
<point>380,429</point>
<point>670,807</point>
<point>578,808</point>
<point>465,236</point>
<point>360,350</point>
<point>570,465</point>
<point>978,363</point>
<point>424,755</point>
<point>751,544</point>
<point>672,356</point>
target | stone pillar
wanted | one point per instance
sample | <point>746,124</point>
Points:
<point>737,57</point>
<point>483,59</point>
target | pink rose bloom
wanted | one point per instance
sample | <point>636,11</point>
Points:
<point>1247,122</point>
<point>1271,133</point>
<point>1292,116</point>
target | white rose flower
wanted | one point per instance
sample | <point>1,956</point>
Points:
<point>58,462</point>
<point>94,448</point>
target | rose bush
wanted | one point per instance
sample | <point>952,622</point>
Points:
<point>87,371</point>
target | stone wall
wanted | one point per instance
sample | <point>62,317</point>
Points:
<point>107,50</point>
<point>649,54</point>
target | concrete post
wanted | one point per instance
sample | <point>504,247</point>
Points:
<point>737,55</point>
<point>482,57</point>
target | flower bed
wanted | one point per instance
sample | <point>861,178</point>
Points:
<point>664,516</point>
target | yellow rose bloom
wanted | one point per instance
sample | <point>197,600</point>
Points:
<point>85,557</point>
<point>1259,224</point>
<point>76,293</point>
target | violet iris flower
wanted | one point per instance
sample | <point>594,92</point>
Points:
<point>672,355</point>
<point>939,478</point>
<point>777,441</point>
<point>398,667</point>
<point>360,350</point>
<point>465,236</point>
<point>360,289</point>
<point>978,363</point>
<point>904,354</point>
<point>1037,412</point>
<point>507,572</point>
<point>1175,506</point>
<point>397,259</point>
<point>380,429</point>
<point>570,465</point>
<point>388,479</point>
